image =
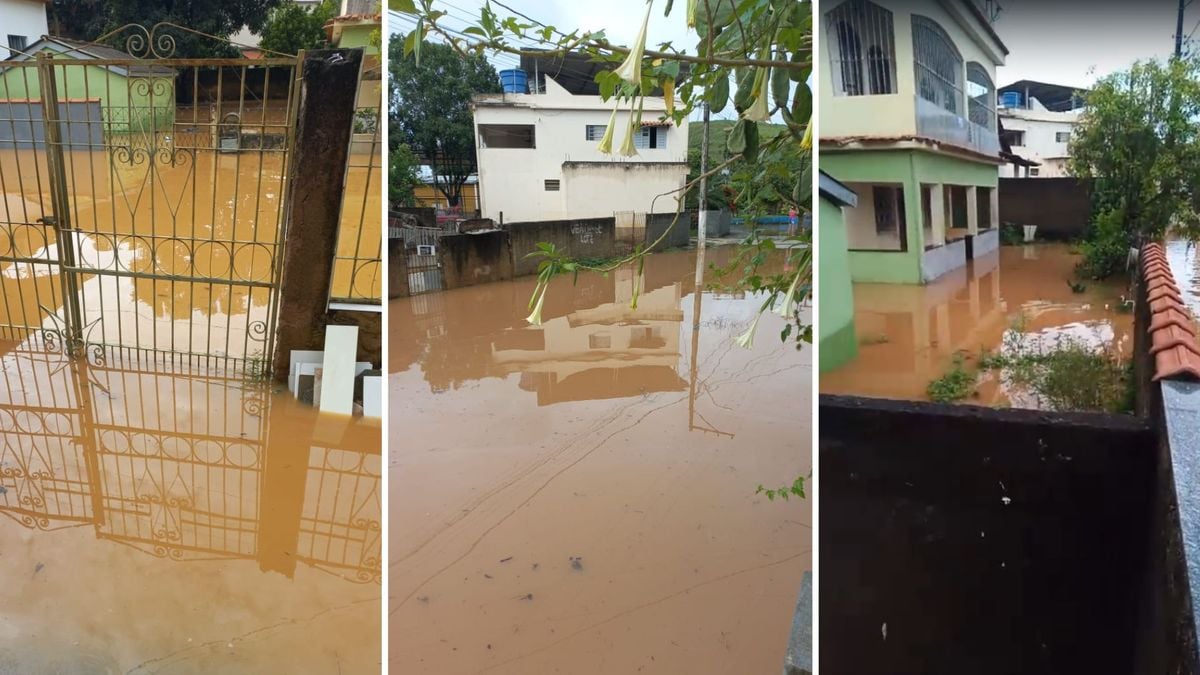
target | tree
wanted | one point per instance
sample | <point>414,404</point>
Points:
<point>402,176</point>
<point>430,109</point>
<point>1139,138</point>
<point>91,19</point>
<point>292,27</point>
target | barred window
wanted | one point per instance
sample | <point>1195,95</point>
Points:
<point>938,65</point>
<point>862,49</point>
<point>981,96</point>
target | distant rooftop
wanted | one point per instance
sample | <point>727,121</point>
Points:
<point>1053,97</point>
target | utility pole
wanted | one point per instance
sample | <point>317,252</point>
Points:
<point>702,201</point>
<point>1179,29</point>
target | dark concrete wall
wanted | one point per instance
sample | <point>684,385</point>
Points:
<point>397,269</point>
<point>579,238</point>
<point>988,541</point>
<point>426,216</point>
<point>679,235</point>
<point>1060,207</point>
<point>328,91</point>
<point>470,259</point>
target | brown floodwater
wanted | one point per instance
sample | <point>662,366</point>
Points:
<point>193,215</point>
<point>182,523</point>
<point>1016,298</point>
<point>579,497</point>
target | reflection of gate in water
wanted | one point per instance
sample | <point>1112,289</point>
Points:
<point>143,212</point>
<point>177,467</point>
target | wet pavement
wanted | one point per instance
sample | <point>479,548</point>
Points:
<point>909,335</point>
<point>181,522</point>
<point>579,497</point>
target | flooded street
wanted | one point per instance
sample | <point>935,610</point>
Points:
<point>909,335</point>
<point>176,252</point>
<point>181,523</point>
<point>579,497</point>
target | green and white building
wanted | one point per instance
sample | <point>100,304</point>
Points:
<point>908,122</point>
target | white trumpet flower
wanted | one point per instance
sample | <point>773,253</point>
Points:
<point>691,13</point>
<point>789,299</point>
<point>631,69</point>
<point>606,141</point>
<point>746,340</point>
<point>759,111</point>
<point>535,317</point>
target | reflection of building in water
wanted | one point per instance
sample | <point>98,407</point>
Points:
<point>953,313</point>
<point>186,467</point>
<point>607,351</point>
<point>590,339</point>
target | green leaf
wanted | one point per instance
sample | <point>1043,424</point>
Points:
<point>751,151</point>
<point>667,11</point>
<point>718,94</point>
<point>783,335</point>
<point>745,90</point>
<point>781,86</point>
<point>736,143</point>
<point>802,104</point>
<point>802,194</point>
<point>402,6</point>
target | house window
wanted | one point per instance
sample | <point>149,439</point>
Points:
<point>1062,136</point>
<point>889,209</point>
<point>981,97</point>
<point>650,137</point>
<point>506,136</point>
<point>596,131</point>
<point>862,50</point>
<point>17,42</point>
<point>551,185</point>
<point>938,65</point>
<point>1013,138</point>
<point>1033,171</point>
<point>600,341</point>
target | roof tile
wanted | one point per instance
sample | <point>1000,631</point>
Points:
<point>1173,342</point>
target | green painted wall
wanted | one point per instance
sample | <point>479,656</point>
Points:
<point>835,309</point>
<point>359,36</point>
<point>129,104</point>
<point>910,168</point>
<point>882,166</point>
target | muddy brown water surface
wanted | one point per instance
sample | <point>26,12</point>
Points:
<point>909,335</point>
<point>163,522</point>
<point>196,215</point>
<point>579,497</point>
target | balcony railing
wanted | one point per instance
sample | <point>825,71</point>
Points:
<point>934,121</point>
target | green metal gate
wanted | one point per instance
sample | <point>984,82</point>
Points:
<point>142,212</point>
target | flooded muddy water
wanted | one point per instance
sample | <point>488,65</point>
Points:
<point>579,497</point>
<point>1185,266</point>
<point>181,523</point>
<point>176,248</point>
<point>909,335</point>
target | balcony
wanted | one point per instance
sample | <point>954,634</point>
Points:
<point>937,123</point>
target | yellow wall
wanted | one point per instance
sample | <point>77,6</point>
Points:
<point>427,196</point>
<point>895,114</point>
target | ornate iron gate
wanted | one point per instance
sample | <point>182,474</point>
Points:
<point>142,213</point>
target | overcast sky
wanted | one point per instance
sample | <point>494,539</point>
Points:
<point>1073,42</point>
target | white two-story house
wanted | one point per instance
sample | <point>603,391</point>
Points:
<point>22,23</point>
<point>538,156</point>
<point>908,122</point>
<point>1038,120</point>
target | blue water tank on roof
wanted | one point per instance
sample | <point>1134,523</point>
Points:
<point>514,81</point>
<point>1010,99</point>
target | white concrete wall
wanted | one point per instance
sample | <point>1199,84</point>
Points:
<point>895,114</point>
<point>1040,144</point>
<point>860,222</point>
<point>512,180</point>
<point>21,17</point>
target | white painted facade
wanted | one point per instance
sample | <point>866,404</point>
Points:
<point>21,21</point>
<point>519,182</point>
<point>1044,138</point>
